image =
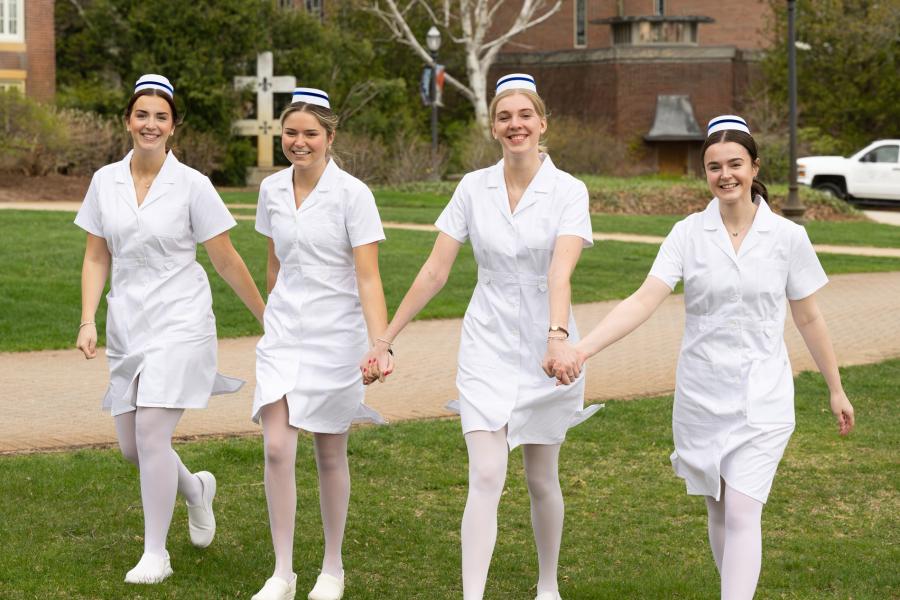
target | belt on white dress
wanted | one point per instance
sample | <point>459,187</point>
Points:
<point>160,263</point>
<point>316,269</point>
<point>707,322</point>
<point>487,276</point>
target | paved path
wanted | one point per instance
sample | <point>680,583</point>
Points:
<point>51,399</point>
<point>889,217</point>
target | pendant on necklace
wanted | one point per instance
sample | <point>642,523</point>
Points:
<point>735,234</point>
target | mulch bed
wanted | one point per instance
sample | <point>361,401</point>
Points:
<point>680,199</point>
<point>15,187</point>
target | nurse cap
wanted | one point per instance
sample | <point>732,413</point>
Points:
<point>516,81</point>
<point>152,81</point>
<point>311,96</point>
<point>724,122</point>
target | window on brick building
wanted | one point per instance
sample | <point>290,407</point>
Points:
<point>285,4</point>
<point>12,26</point>
<point>315,8</point>
<point>659,6</point>
<point>9,84</point>
<point>580,23</point>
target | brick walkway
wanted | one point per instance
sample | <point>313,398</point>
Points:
<point>52,398</point>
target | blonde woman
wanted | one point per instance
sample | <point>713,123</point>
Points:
<point>528,222</point>
<point>325,294</point>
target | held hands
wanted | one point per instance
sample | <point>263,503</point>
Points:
<point>843,411</point>
<point>87,340</point>
<point>562,361</point>
<point>377,364</point>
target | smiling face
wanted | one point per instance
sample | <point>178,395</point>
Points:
<point>730,171</point>
<point>304,140</point>
<point>517,124</point>
<point>150,123</point>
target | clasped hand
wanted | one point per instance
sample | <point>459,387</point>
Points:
<point>377,364</point>
<point>562,361</point>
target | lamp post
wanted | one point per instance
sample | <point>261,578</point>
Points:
<point>792,209</point>
<point>433,41</point>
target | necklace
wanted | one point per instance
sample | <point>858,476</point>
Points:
<point>738,232</point>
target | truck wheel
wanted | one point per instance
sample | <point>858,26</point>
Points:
<point>831,189</point>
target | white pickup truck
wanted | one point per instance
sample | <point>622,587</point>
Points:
<point>873,173</point>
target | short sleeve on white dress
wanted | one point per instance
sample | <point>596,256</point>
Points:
<point>669,264</point>
<point>805,272</point>
<point>209,216</point>
<point>88,217</point>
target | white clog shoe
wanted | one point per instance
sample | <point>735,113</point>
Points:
<point>277,588</point>
<point>152,568</point>
<point>201,520</point>
<point>328,587</point>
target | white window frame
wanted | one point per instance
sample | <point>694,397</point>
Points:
<point>19,35</point>
<point>659,7</point>
<point>584,43</point>
<point>13,84</point>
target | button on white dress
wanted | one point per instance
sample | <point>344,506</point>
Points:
<point>734,397</point>
<point>504,332</point>
<point>159,324</point>
<point>315,333</point>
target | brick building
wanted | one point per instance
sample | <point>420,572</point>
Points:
<point>27,48</point>
<point>654,70</point>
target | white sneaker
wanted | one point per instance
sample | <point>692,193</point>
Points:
<point>152,568</point>
<point>328,587</point>
<point>548,596</point>
<point>277,588</point>
<point>201,520</point>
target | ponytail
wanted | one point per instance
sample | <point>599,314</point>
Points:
<point>758,188</point>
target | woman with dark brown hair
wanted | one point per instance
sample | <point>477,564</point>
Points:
<point>144,217</point>
<point>741,265</point>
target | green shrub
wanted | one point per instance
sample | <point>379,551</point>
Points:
<point>30,135</point>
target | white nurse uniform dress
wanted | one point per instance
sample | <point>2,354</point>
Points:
<point>734,396</point>
<point>504,332</point>
<point>315,333</point>
<point>160,328</point>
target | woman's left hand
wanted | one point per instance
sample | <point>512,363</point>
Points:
<point>562,361</point>
<point>843,411</point>
<point>376,365</point>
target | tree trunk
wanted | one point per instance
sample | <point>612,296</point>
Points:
<point>478,83</point>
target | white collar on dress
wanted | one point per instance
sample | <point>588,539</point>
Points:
<point>763,221</point>
<point>166,172</point>
<point>328,179</point>
<point>542,182</point>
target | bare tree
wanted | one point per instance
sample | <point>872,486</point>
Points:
<point>468,23</point>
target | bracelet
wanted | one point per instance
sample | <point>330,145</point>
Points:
<point>83,323</point>
<point>390,344</point>
<point>560,339</point>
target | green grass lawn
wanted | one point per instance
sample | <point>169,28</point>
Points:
<point>72,521</point>
<point>40,284</point>
<point>424,204</point>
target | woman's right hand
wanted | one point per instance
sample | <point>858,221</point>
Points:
<point>87,341</point>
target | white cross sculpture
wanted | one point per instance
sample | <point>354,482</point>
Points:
<point>265,126</point>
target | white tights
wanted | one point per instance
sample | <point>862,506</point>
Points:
<point>735,537</point>
<point>488,453</point>
<point>280,441</point>
<point>145,438</point>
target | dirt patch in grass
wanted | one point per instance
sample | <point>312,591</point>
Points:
<point>15,187</point>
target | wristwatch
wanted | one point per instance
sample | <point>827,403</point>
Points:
<point>557,328</point>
